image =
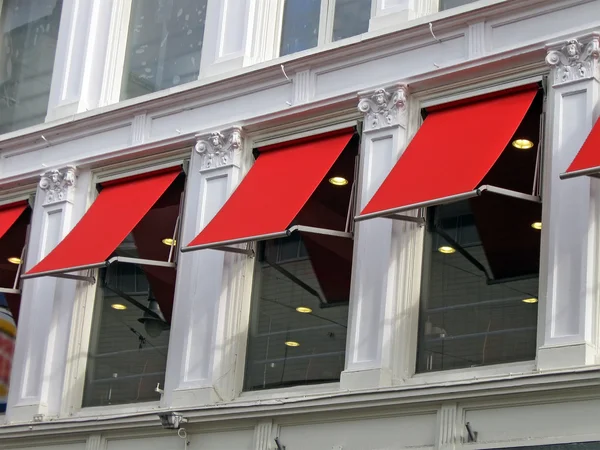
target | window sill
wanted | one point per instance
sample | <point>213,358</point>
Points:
<point>289,392</point>
<point>126,409</point>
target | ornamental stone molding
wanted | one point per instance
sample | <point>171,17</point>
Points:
<point>219,149</point>
<point>575,60</point>
<point>58,184</point>
<point>384,107</point>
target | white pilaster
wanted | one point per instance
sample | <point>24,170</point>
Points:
<point>233,35</point>
<point>372,317</point>
<point>202,361</point>
<point>46,307</point>
<point>388,13</point>
<point>568,287</point>
<point>80,57</point>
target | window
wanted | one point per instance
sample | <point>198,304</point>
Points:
<point>28,35</point>
<point>480,281</point>
<point>447,4</point>
<point>306,23</point>
<point>299,313</point>
<point>132,311</point>
<point>14,226</point>
<point>163,46</point>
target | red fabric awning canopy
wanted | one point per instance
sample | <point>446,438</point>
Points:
<point>587,161</point>
<point>119,207</point>
<point>451,153</point>
<point>273,192</point>
<point>9,215</point>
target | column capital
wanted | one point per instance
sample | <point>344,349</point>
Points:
<point>384,107</point>
<point>575,59</point>
<point>58,184</point>
<point>219,148</point>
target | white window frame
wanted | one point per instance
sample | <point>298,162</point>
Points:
<point>262,138</point>
<point>409,287</point>
<point>326,20</point>
<point>83,310</point>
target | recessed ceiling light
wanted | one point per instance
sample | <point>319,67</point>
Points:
<point>169,241</point>
<point>446,249</point>
<point>292,344</point>
<point>338,181</point>
<point>530,300</point>
<point>14,260</point>
<point>522,144</point>
<point>118,306</point>
<point>303,309</point>
<point>536,225</point>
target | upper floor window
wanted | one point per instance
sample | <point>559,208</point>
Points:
<point>447,4</point>
<point>28,35</point>
<point>163,46</point>
<point>308,23</point>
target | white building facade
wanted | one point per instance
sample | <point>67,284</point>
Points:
<point>300,224</point>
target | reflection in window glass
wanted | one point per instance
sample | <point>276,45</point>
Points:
<point>351,18</point>
<point>480,284</point>
<point>299,311</point>
<point>300,29</point>
<point>447,4</point>
<point>28,35</point>
<point>132,313</point>
<point>163,46</point>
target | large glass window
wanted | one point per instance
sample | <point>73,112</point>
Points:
<point>447,4</point>
<point>302,20</point>
<point>163,46</point>
<point>481,266</point>
<point>132,311</point>
<point>299,312</point>
<point>28,35</point>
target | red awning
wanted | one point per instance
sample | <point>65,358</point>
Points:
<point>273,192</point>
<point>451,153</point>
<point>9,215</point>
<point>119,207</point>
<point>587,161</point>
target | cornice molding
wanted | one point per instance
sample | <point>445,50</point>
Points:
<point>220,148</point>
<point>58,184</point>
<point>575,60</point>
<point>384,107</point>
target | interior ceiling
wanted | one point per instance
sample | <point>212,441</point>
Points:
<point>11,244</point>
<point>331,257</point>
<point>148,234</point>
<point>511,246</point>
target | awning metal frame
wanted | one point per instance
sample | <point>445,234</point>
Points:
<point>393,213</point>
<point>15,289</point>
<point>227,245</point>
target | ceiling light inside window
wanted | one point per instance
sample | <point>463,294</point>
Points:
<point>14,260</point>
<point>292,344</point>
<point>118,306</point>
<point>446,249</point>
<point>522,144</point>
<point>169,241</point>
<point>338,181</point>
<point>536,225</point>
<point>530,300</point>
<point>304,309</point>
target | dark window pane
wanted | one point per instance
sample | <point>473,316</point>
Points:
<point>351,18</point>
<point>309,271</point>
<point>447,4</point>
<point>473,311</point>
<point>132,313</point>
<point>300,29</point>
<point>163,46</point>
<point>29,31</point>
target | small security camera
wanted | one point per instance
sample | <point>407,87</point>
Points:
<point>172,420</point>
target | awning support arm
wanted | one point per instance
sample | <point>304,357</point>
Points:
<point>69,276</point>
<point>294,279</point>
<point>462,251</point>
<point>131,300</point>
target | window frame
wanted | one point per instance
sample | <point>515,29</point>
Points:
<point>409,285</point>
<point>326,21</point>
<point>85,296</point>
<point>262,138</point>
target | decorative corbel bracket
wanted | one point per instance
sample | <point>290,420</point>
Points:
<point>575,59</point>
<point>58,184</point>
<point>384,107</point>
<point>219,149</point>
